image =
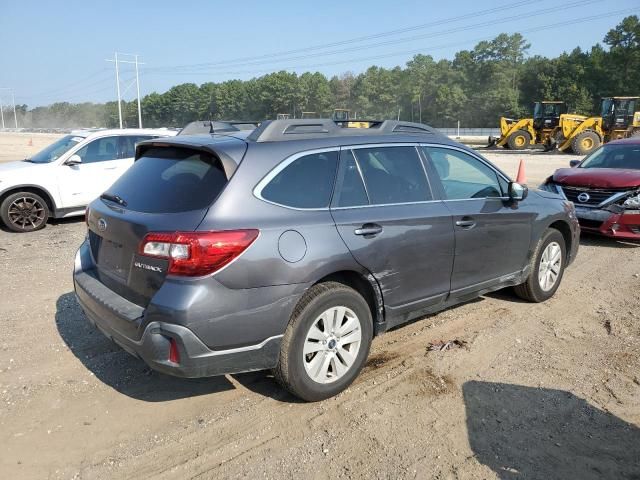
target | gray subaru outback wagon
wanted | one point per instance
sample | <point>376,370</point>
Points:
<point>290,247</point>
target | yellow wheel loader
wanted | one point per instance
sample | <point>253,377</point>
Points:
<point>343,118</point>
<point>581,135</point>
<point>539,130</point>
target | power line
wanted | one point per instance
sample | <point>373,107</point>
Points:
<point>75,90</point>
<point>69,86</point>
<point>444,21</point>
<point>575,4</point>
<point>403,52</point>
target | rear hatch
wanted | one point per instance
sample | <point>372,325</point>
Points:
<point>168,189</point>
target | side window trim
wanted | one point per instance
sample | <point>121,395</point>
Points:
<point>499,174</point>
<point>121,147</point>
<point>257,190</point>
<point>364,184</point>
<point>339,181</point>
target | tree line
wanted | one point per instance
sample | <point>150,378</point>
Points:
<point>476,87</point>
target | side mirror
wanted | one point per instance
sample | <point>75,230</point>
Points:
<point>574,163</point>
<point>518,192</point>
<point>73,160</point>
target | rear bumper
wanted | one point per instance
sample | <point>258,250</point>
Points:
<point>624,225</point>
<point>126,324</point>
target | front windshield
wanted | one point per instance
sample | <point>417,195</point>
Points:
<point>614,156</point>
<point>56,149</point>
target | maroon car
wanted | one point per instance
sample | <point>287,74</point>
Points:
<point>605,188</point>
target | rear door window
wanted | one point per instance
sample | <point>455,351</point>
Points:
<point>171,180</point>
<point>393,175</point>
<point>128,144</point>
<point>307,182</point>
<point>100,150</point>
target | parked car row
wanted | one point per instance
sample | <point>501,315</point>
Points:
<point>288,245</point>
<point>605,188</point>
<point>64,177</point>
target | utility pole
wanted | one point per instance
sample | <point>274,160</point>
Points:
<point>15,117</point>
<point>138,93</point>
<point>117,62</point>
<point>13,103</point>
<point>118,89</point>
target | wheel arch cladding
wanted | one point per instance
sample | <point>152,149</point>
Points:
<point>565,230</point>
<point>366,286</point>
<point>46,196</point>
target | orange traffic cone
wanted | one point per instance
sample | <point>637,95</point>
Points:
<point>30,144</point>
<point>522,176</point>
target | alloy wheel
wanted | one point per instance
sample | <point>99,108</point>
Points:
<point>332,344</point>
<point>550,266</point>
<point>26,213</point>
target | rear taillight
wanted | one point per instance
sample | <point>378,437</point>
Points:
<point>194,254</point>
<point>174,353</point>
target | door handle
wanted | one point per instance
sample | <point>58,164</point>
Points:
<point>110,168</point>
<point>368,229</point>
<point>466,222</point>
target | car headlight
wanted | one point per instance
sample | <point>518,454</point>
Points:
<point>549,187</point>
<point>632,202</point>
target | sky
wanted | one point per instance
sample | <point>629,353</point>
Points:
<point>56,51</point>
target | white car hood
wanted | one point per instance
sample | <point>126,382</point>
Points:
<point>23,170</point>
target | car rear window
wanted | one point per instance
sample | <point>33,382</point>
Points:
<point>171,180</point>
<point>307,182</point>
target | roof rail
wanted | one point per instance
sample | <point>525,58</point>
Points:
<point>301,129</point>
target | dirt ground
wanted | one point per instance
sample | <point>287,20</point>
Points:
<point>538,391</point>
<point>16,146</point>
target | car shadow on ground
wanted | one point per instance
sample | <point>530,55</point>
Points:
<point>264,384</point>
<point>120,370</point>
<point>537,433</point>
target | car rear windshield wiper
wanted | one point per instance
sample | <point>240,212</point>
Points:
<point>114,198</point>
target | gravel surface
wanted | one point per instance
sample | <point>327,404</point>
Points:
<point>535,391</point>
<point>16,146</point>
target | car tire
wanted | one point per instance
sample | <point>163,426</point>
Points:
<point>24,212</point>
<point>519,140</point>
<point>330,367</point>
<point>545,273</point>
<point>585,142</point>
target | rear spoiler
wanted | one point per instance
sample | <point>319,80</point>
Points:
<point>229,152</point>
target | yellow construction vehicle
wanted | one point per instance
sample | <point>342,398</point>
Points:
<point>342,117</point>
<point>580,134</point>
<point>539,130</point>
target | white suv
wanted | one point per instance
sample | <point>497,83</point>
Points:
<point>62,179</point>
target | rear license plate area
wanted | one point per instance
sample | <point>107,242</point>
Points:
<point>112,257</point>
